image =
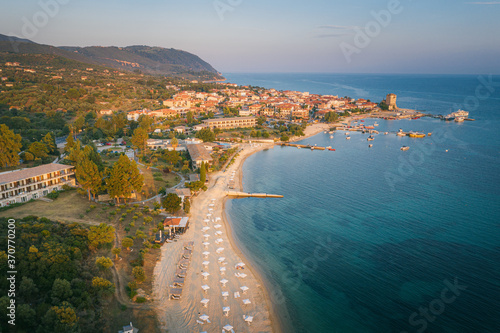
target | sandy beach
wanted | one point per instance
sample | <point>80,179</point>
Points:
<point>184,315</point>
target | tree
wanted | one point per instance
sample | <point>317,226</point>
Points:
<point>284,137</point>
<point>27,288</point>
<point>104,263</point>
<point>88,176</point>
<point>187,205</point>
<point>100,235</point>
<point>78,124</point>
<point>172,157</point>
<point>139,274</point>
<point>140,138</point>
<point>70,142</point>
<point>49,141</point>
<point>145,122</point>
<point>60,319</point>
<point>10,146</point>
<point>174,143</point>
<point>124,178</point>
<point>61,291</point>
<point>203,173</point>
<point>116,251</point>
<point>38,149</point>
<point>172,202</point>
<point>189,117</point>
<point>103,285</point>
<point>128,243</point>
<point>206,135</point>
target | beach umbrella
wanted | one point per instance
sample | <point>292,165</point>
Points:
<point>239,265</point>
<point>205,302</point>
<point>218,233</point>
<point>204,229</point>
<point>225,294</point>
<point>205,275</point>
<point>204,317</point>
<point>208,215</point>
<point>219,240</point>
<point>217,226</point>
<point>224,281</point>
<point>213,199</point>
<point>221,259</point>
<point>217,219</point>
<point>246,301</point>
<point>206,235</point>
<point>248,319</point>
<point>206,253</point>
<point>228,327</point>
<point>205,288</point>
<point>206,220</point>
<point>219,250</point>
<point>241,275</point>
<point>210,210</point>
<point>244,289</point>
<point>222,270</point>
<point>211,205</point>
<point>205,263</point>
<point>205,244</point>
<point>226,310</point>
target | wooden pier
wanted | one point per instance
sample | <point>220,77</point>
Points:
<point>302,146</point>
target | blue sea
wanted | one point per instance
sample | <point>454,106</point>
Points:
<point>378,239</point>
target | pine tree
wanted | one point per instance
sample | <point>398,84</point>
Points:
<point>10,146</point>
<point>39,149</point>
<point>70,142</point>
<point>203,173</point>
<point>124,178</point>
<point>49,141</point>
<point>88,175</point>
<point>139,138</point>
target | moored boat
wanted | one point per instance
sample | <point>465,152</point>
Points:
<point>417,135</point>
<point>370,145</point>
<point>405,148</point>
<point>348,138</point>
<point>370,138</point>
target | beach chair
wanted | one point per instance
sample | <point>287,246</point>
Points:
<point>208,321</point>
<point>200,322</point>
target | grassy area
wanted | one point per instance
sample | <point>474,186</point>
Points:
<point>145,320</point>
<point>154,180</point>
<point>69,207</point>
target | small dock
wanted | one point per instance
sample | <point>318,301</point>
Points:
<point>301,146</point>
<point>251,195</point>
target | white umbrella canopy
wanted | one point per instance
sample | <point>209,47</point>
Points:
<point>204,229</point>
<point>224,281</point>
<point>226,308</point>
<point>205,302</point>
<point>246,301</point>
<point>206,253</point>
<point>222,270</point>
<point>205,275</point>
<point>206,235</point>
<point>228,327</point>
<point>219,250</point>
<point>217,226</point>
<point>217,219</point>
<point>219,240</point>
<point>218,232</point>
<point>221,259</point>
<point>225,294</point>
<point>208,215</point>
<point>210,209</point>
<point>205,263</point>
<point>211,205</point>
<point>248,319</point>
<point>206,220</point>
<point>242,275</point>
<point>239,265</point>
<point>213,199</point>
<point>244,288</point>
<point>204,317</point>
<point>205,287</point>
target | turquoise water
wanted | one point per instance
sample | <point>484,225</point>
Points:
<point>371,239</point>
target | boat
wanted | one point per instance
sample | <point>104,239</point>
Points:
<point>328,147</point>
<point>417,135</point>
<point>385,133</point>
<point>331,149</point>
<point>369,127</point>
<point>429,134</point>
<point>459,119</point>
<point>348,138</point>
<point>312,148</point>
<point>346,133</point>
<point>362,120</point>
<point>401,133</point>
<point>370,145</point>
<point>370,138</point>
<point>331,136</point>
<point>324,132</point>
<point>298,147</point>
<point>415,118</point>
<point>404,148</point>
<point>331,132</point>
<point>375,124</point>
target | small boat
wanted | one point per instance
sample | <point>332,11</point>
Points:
<point>417,135</point>
<point>401,133</point>
<point>331,132</point>
<point>459,119</point>
<point>404,148</point>
<point>346,133</point>
<point>324,132</point>
<point>385,133</point>
<point>415,118</point>
<point>375,124</point>
<point>370,145</point>
<point>331,136</point>
<point>331,149</point>
<point>370,138</point>
<point>362,120</point>
<point>348,138</point>
<point>298,147</point>
<point>312,148</point>
<point>328,147</point>
<point>429,134</point>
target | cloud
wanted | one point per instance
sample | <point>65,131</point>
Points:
<point>484,3</point>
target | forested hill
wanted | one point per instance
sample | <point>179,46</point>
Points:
<point>148,60</point>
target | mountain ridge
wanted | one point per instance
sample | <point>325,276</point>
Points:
<point>146,59</point>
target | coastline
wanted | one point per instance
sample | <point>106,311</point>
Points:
<point>181,315</point>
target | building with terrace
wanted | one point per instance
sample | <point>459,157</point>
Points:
<point>23,185</point>
<point>228,123</point>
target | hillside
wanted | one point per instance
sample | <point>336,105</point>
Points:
<point>146,59</point>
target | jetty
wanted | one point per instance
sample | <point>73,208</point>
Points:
<point>236,194</point>
<point>284,144</point>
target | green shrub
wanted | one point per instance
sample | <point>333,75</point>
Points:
<point>92,207</point>
<point>53,195</point>
<point>140,299</point>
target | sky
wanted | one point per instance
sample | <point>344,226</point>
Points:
<point>334,36</point>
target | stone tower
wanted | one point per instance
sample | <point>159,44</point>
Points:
<point>390,100</point>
